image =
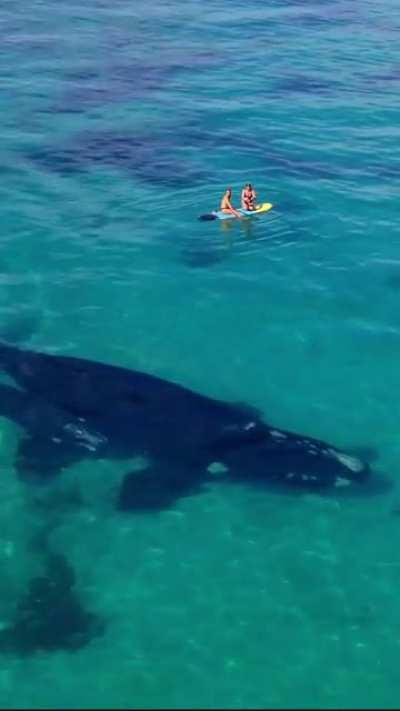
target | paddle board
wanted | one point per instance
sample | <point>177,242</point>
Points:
<point>219,215</point>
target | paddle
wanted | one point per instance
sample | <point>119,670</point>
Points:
<point>208,216</point>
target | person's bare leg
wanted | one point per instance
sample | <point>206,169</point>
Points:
<point>232,211</point>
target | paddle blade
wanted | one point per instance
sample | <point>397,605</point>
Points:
<point>208,216</point>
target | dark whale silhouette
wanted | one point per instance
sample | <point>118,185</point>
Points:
<point>71,408</point>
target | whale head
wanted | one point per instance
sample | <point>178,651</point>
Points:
<point>256,452</point>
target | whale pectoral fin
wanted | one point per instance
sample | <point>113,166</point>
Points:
<point>40,459</point>
<point>157,487</point>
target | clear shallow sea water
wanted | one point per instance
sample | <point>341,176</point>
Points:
<point>120,124</point>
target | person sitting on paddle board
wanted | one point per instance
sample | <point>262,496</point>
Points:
<point>226,205</point>
<point>248,197</point>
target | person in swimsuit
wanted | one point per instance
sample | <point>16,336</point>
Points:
<point>226,205</point>
<point>248,197</point>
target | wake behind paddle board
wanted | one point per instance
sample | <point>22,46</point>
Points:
<point>218,214</point>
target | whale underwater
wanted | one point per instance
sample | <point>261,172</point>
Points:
<point>71,408</point>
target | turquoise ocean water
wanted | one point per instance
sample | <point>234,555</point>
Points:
<point>122,122</point>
